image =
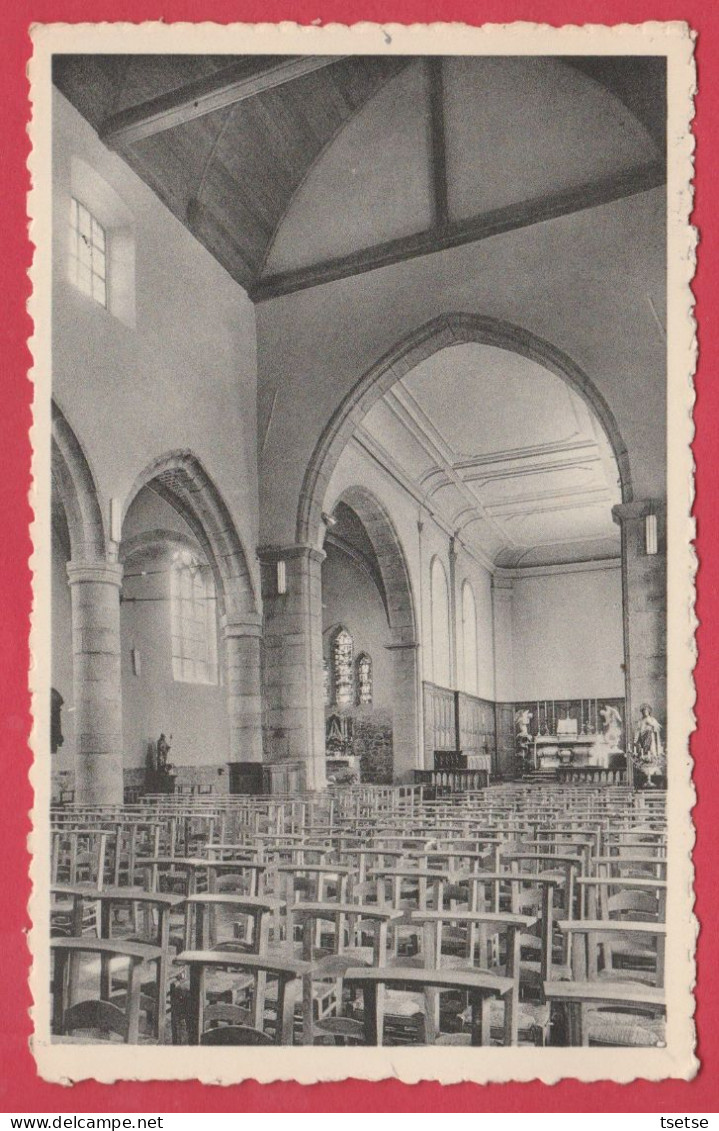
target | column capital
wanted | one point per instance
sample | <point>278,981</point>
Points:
<point>401,645</point>
<point>250,625</point>
<point>638,509</point>
<point>99,572</point>
<point>269,554</point>
<point>502,584</point>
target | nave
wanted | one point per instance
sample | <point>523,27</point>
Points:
<point>528,915</point>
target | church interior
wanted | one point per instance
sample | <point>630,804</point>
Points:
<point>358,502</point>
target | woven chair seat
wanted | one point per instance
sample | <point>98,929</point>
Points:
<point>533,1021</point>
<point>621,1029</point>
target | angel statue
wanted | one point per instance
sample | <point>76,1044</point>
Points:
<point>648,748</point>
<point>522,720</point>
<point>611,727</point>
<point>523,737</point>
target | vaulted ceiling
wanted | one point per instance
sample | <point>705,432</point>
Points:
<point>293,170</point>
<point>530,487</point>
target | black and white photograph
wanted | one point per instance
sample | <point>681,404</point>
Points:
<point>362,567</point>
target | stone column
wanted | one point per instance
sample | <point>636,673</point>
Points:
<point>644,599</point>
<point>406,718</point>
<point>95,591</point>
<point>242,644</point>
<point>292,659</point>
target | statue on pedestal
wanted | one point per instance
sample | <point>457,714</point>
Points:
<point>158,776</point>
<point>648,748</point>
<point>523,738</point>
<point>163,749</point>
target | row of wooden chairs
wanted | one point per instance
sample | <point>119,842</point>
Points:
<point>491,888</point>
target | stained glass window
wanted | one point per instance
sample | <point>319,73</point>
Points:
<point>326,683</point>
<point>343,668</point>
<point>364,679</point>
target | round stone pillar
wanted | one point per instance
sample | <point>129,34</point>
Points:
<point>292,659</point>
<point>95,592</point>
<point>242,644</point>
<point>644,596</point>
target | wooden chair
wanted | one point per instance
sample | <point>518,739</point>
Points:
<point>288,973</point>
<point>157,908</point>
<point>99,1015</point>
<point>613,1014</point>
<point>617,1022</point>
<point>479,987</point>
<point>323,1007</point>
<point>517,1017</point>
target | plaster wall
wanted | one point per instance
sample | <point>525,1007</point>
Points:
<point>173,369</point>
<point>567,635</point>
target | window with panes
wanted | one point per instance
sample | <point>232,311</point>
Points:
<point>88,253</point>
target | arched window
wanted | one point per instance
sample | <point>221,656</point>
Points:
<point>469,640</point>
<point>439,596</point>
<point>194,621</point>
<point>364,680</point>
<point>343,668</point>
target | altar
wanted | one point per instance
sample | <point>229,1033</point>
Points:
<point>583,734</point>
<point>552,751</point>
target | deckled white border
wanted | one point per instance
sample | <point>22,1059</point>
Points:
<point>69,1063</point>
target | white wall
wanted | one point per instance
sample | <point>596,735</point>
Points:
<point>184,375</point>
<point>567,635</point>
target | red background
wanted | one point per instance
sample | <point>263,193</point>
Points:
<point>20,1088</point>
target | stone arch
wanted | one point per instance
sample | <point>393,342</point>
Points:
<point>390,558</point>
<point>440,333</point>
<point>404,647</point>
<point>180,479</point>
<point>75,485</point>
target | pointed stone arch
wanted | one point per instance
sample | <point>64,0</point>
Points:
<point>391,560</point>
<point>435,335</point>
<point>179,478</point>
<point>76,489</point>
<point>404,646</point>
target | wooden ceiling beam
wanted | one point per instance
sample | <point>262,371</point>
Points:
<point>438,154</point>
<point>458,232</point>
<point>226,87</point>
